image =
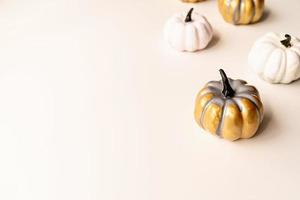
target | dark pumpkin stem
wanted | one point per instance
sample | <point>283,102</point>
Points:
<point>227,89</point>
<point>188,17</point>
<point>287,41</point>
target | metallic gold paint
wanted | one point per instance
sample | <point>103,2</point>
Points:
<point>211,120</point>
<point>250,117</point>
<point>260,105</point>
<point>259,8</point>
<point>247,8</point>
<point>241,11</point>
<point>232,122</point>
<point>201,102</point>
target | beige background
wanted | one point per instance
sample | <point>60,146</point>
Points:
<point>94,105</point>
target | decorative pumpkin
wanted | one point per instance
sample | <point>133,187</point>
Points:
<point>229,108</point>
<point>276,58</point>
<point>191,1</point>
<point>188,32</point>
<point>241,11</point>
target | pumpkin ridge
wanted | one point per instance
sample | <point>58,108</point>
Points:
<point>254,11</point>
<point>220,125</point>
<point>236,13</point>
<point>274,79</point>
<point>201,34</point>
<point>201,101</point>
<point>247,89</point>
<point>240,110</point>
<point>249,97</point>
<point>197,38</point>
<point>231,10</point>
<point>228,2</point>
<point>207,24</point>
<point>264,63</point>
<point>207,31</point>
<point>215,84</point>
<point>242,15</point>
<point>211,90</point>
<point>245,93</point>
<point>238,102</point>
<point>230,120</point>
<point>204,110</point>
<point>284,66</point>
<point>234,99</point>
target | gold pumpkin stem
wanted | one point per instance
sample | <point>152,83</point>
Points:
<point>188,17</point>
<point>227,89</point>
<point>287,41</point>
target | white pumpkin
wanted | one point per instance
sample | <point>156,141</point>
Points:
<point>276,58</point>
<point>188,31</point>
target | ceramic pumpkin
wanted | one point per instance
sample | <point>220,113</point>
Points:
<point>229,108</point>
<point>276,58</point>
<point>241,11</point>
<point>188,31</point>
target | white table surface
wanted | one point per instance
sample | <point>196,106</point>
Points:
<point>95,105</point>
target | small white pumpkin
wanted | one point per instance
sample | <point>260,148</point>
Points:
<point>188,32</point>
<point>276,58</point>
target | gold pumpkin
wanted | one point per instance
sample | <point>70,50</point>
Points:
<point>229,108</point>
<point>241,11</point>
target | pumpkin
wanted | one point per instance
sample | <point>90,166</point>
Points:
<point>191,1</point>
<point>229,108</point>
<point>276,58</point>
<point>241,11</point>
<point>188,32</point>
